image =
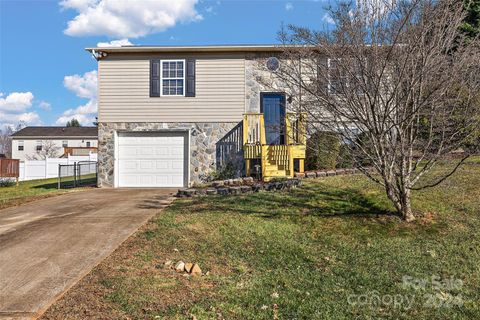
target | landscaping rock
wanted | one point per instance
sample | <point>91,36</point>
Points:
<point>230,182</point>
<point>321,174</point>
<point>257,187</point>
<point>331,173</point>
<point>235,190</point>
<point>168,264</point>
<point>237,182</point>
<point>246,189</point>
<point>247,180</point>
<point>188,267</point>
<point>196,271</point>
<point>279,185</point>
<point>181,192</point>
<point>218,183</point>
<point>211,191</point>
<point>180,266</point>
<point>340,171</point>
<point>222,191</point>
<point>190,192</point>
<point>269,186</point>
<point>311,174</point>
<point>299,175</point>
<point>201,192</point>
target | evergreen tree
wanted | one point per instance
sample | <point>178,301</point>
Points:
<point>73,123</point>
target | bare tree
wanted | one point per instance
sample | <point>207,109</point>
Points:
<point>5,141</point>
<point>49,150</point>
<point>397,82</point>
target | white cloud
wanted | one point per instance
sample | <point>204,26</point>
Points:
<point>328,19</point>
<point>31,118</point>
<point>45,105</point>
<point>13,109</point>
<point>84,86</point>
<point>288,6</point>
<point>115,43</point>
<point>127,18</point>
<point>16,101</point>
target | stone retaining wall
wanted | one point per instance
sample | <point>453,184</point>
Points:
<point>248,184</point>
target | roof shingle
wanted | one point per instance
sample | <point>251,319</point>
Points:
<point>57,132</point>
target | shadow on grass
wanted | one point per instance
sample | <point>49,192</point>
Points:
<point>67,184</point>
<point>53,185</point>
<point>312,200</point>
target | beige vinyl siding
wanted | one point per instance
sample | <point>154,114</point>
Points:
<point>124,90</point>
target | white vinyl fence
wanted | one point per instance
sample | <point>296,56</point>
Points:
<point>48,168</point>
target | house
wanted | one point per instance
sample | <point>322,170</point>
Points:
<point>35,142</point>
<point>170,116</point>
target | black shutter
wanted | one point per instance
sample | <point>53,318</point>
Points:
<point>190,78</point>
<point>155,78</point>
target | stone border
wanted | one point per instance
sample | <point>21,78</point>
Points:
<point>248,184</point>
<point>248,187</point>
<point>327,173</point>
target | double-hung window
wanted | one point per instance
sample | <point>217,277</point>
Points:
<point>20,145</point>
<point>39,145</point>
<point>65,143</point>
<point>172,77</point>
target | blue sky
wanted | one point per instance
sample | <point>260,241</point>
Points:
<point>46,76</point>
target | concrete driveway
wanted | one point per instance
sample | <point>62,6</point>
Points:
<point>48,245</point>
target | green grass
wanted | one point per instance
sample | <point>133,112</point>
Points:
<point>27,191</point>
<point>309,253</point>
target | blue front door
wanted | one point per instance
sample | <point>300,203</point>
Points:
<point>272,105</point>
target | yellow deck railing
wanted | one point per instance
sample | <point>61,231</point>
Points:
<point>276,160</point>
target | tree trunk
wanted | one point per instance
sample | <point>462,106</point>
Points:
<point>402,201</point>
<point>406,206</point>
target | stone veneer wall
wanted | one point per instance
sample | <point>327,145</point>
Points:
<point>258,79</point>
<point>204,138</point>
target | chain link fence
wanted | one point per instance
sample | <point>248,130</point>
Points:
<point>79,174</point>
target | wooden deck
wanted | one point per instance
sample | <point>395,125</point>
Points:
<point>276,160</point>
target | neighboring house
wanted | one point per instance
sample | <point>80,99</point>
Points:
<point>170,116</point>
<point>39,142</point>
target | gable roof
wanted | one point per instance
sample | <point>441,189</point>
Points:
<point>80,132</point>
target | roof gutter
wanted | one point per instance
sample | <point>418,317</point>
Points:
<point>171,49</point>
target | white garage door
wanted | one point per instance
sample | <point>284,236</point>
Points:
<point>151,159</point>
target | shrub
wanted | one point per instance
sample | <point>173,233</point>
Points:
<point>345,157</point>
<point>323,149</point>
<point>227,171</point>
<point>6,182</point>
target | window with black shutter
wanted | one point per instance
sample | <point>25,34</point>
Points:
<point>172,77</point>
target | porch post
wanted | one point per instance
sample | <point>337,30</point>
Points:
<point>247,167</point>
<point>301,165</point>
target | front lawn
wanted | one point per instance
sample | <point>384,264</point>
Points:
<point>27,191</point>
<point>329,250</point>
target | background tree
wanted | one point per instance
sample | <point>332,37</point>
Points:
<point>73,123</point>
<point>386,79</point>
<point>49,150</point>
<point>5,141</point>
<point>471,24</point>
